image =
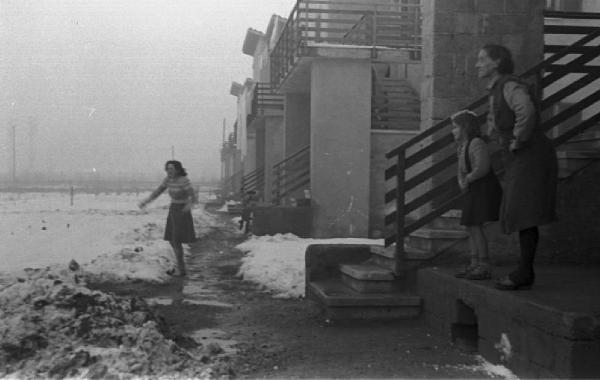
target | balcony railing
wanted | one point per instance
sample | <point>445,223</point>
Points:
<point>265,102</point>
<point>335,22</point>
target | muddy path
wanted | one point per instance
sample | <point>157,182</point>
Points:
<point>257,336</point>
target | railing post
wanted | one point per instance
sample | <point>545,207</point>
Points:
<point>400,199</point>
<point>277,185</point>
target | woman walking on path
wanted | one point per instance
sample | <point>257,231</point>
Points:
<point>482,189</point>
<point>180,226</point>
<point>529,158</point>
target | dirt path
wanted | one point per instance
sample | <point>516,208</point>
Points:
<point>263,337</point>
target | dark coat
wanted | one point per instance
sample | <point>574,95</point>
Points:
<point>531,172</point>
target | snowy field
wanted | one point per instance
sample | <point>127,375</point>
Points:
<point>106,233</point>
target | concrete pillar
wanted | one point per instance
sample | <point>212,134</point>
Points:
<point>296,122</point>
<point>340,136</point>
<point>274,150</point>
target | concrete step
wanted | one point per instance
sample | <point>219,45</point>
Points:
<point>342,302</point>
<point>571,161</point>
<point>448,221</point>
<point>584,141</point>
<point>367,277</point>
<point>437,240</point>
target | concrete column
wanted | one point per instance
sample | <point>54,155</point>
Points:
<point>340,147</point>
<point>296,122</point>
<point>274,150</point>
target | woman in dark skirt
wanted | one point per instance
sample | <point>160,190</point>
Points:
<point>531,168</point>
<point>180,226</point>
<point>482,189</point>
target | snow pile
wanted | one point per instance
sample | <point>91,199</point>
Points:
<point>51,325</point>
<point>492,370</point>
<point>277,262</point>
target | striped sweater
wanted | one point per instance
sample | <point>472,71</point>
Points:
<point>179,188</point>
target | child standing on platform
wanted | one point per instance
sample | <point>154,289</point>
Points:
<point>483,192</point>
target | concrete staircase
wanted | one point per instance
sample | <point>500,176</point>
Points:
<point>374,286</point>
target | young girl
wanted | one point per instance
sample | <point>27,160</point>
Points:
<point>483,193</point>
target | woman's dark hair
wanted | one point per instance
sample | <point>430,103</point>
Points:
<point>501,54</point>
<point>467,121</point>
<point>178,167</point>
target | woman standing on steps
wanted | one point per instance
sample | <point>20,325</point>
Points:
<point>180,226</point>
<point>529,159</point>
<point>482,189</point>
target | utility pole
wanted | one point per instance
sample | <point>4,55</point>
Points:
<point>14,152</point>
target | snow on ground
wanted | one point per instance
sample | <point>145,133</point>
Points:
<point>493,370</point>
<point>106,233</point>
<point>277,262</point>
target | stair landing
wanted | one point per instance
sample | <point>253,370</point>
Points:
<point>343,302</point>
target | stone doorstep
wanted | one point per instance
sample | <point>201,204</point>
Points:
<point>555,327</point>
<point>333,293</point>
<point>539,307</point>
<point>368,286</point>
<point>367,272</point>
<point>410,253</point>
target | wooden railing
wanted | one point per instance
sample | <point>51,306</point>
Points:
<point>347,23</point>
<point>265,101</point>
<point>432,150</point>
<point>254,181</point>
<point>291,174</point>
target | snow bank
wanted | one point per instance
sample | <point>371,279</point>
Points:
<point>51,325</point>
<point>277,262</point>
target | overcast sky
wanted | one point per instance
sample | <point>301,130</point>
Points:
<point>113,85</point>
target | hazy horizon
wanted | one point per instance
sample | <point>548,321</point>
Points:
<point>114,86</point>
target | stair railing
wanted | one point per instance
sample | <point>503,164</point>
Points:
<point>253,181</point>
<point>291,174</point>
<point>437,140</point>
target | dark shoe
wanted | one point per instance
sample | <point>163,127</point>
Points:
<point>480,273</point>
<point>465,271</point>
<point>505,283</point>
